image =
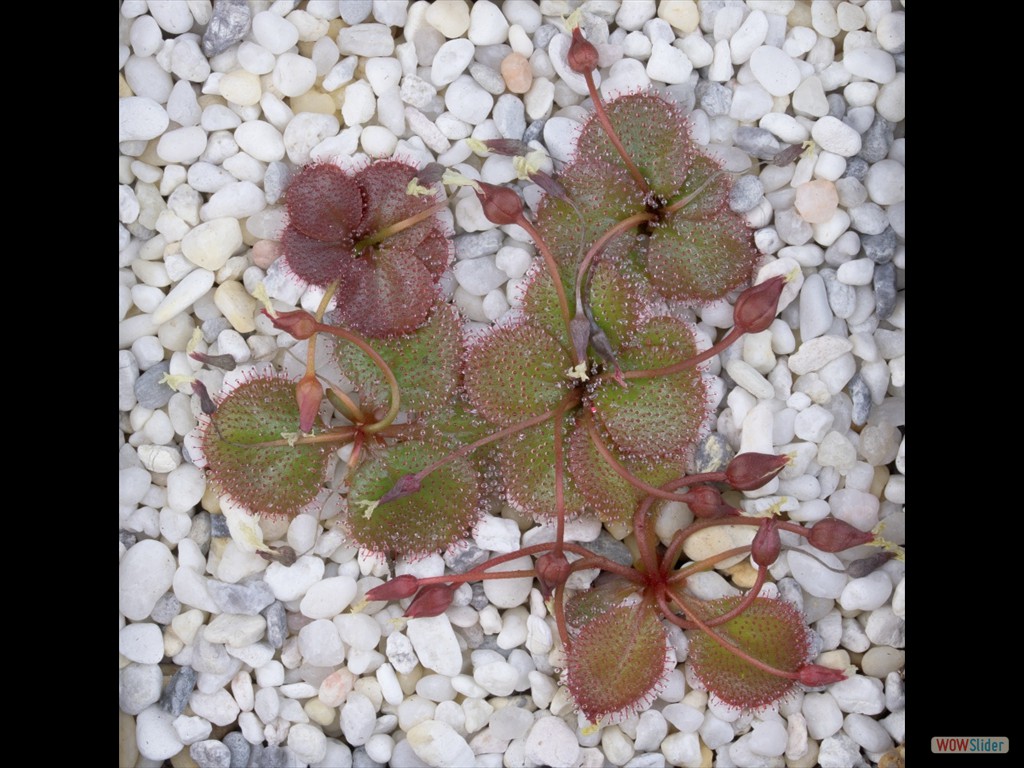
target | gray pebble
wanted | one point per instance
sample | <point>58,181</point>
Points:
<point>860,394</point>
<point>713,454</point>
<point>138,687</point>
<point>149,391</point>
<point>836,105</point>
<point>247,597</point>
<point>240,749</point>
<point>681,94</point>
<point>200,531</point>
<point>462,559</point>
<point>228,25</point>
<point>842,298</point>
<point>746,192</point>
<point>479,599</point>
<point>876,140</point>
<point>543,35</point>
<point>856,167</point>
<point>608,546</point>
<point>277,623</point>
<point>127,375</point>
<point>534,131</point>
<point>211,328</point>
<point>509,116</point>
<point>714,98</point>
<point>791,592</point>
<point>362,760</point>
<point>487,78</point>
<point>167,607</point>
<point>758,142</point>
<point>868,219</point>
<point>884,282</point>
<point>276,181</point>
<point>473,245</point>
<point>356,11</point>
<point>210,754</point>
<point>219,527</point>
<point>273,757</point>
<point>880,248</point>
<point>127,538</point>
<point>492,55</point>
<point>178,691</point>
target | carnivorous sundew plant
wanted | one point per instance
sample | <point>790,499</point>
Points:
<point>588,400</point>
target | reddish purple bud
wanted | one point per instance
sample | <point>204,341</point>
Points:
<point>430,174</point>
<point>309,394</point>
<point>767,544</point>
<point>501,204</point>
<point>406,485</point>
<point>815,675</point>
<point>552,570</point>
<point>297,323</point>
<point>758,305</point>
<point>432,600</point>
<point>788,155</point>
<point>750,471</point>
<point>860,568</point>
<point>582,56</point>
<point>549,185</point>
<point>706,502</point>
<point>831,535</point>
<point>397,588</point>
<point>206,403</point>
<point>507,147</point>
<point>224,362</point>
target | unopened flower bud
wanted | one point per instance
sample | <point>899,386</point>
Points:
<point>750,471</point>
<point>501,205</point>
<point>206,404</point>
<point>767,544</point>
<point>397,588</point>
<point>706,502</point>
<point>432,600</point>
<point>309,394</point>
<point>832,535</point>
<point>758,305</point>
<point>297,323</point>
<point>224,362</point>
<point>507,147</point>
<point>552,570</point>
<point>582,56</point>
<point>815,675</point>
<point>860,568</point>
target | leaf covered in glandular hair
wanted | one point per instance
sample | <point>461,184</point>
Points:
<point>700,259</point>
<point>772,631</point>
<point>659,415</point>
<point>515,372</point>
<point>425,364</point>
<point>440,513</point>
<point>654,132</point>
<point>527,463</point>
<point>617,662</point>
<point>277,480</point>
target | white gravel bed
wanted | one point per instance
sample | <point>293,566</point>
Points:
<point>226,659</point>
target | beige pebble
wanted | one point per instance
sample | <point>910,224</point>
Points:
<point>711,541</point>
<point>516,70</point>
<point>266,252</point>
<point>881,660</point>
<point>241,87</point>
<point>449,17</point>
<point>211,243</point>
<point>314,100</point>
<point>816,201</point>
<point>681,14</point>
<point>237,305</point>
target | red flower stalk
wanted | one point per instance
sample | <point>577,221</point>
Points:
<point>309,393</point>
<point>767,544</point>
<point>432,600</point>
<point>501,205</point>
<point>397,588</point>
<point>750,471</point>
<point>831,535</point>
<point>757,306</point>
<point>297,323</point>
<point>815,675</point>
<point>582,56</point>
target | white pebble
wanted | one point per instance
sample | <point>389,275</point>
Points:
<point>769,738</point>
<point>274,33</point>
<point>155,735</point>
<point>293,74</point>
<point>886,182</point>
<point>866,593</point>
<point>437,743</point>
<point>465,99</point>
<point>775,70</point>
<point>434,642</point>
<point>551,742</point>
<point>182,145</point>
<point>668,64</point>
<point>326,599</point>
<point>858,693</point>
<point>822,714</point>
<point>261,140</point>
<point>833,135</point>
<point>814,576</point>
